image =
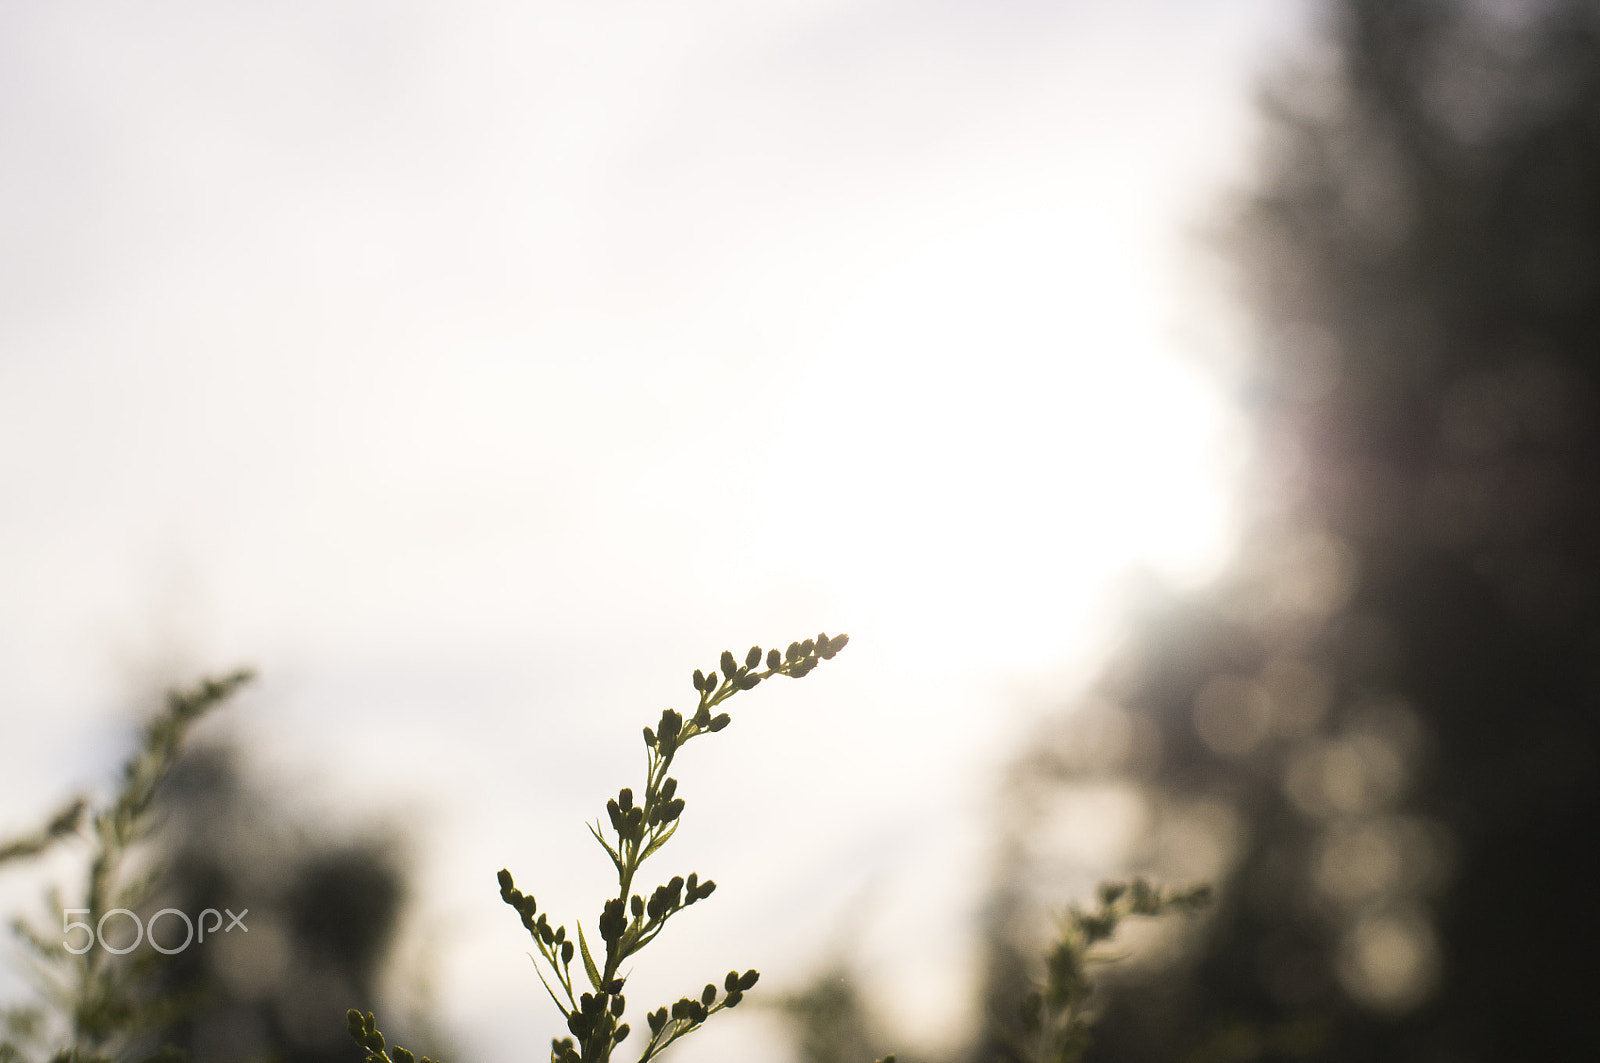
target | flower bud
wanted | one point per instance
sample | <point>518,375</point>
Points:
<point>718,722</point>
<point>612,921</point>
<point>729,665</point>
<point>752,658</point>
<point>708,995</point>
<point>774,659</point>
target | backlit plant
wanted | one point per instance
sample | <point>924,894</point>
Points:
<point>100,1007</point>
<point>636,827</point>
<point>1055,1017</point>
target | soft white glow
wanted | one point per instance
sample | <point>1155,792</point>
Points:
<point>474,370</point>
<point>1004,430</point>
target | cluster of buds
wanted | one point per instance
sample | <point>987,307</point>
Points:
<point>670,733</point>
<point>729,677</point>
<point>536,923</point>
<point>794,662</point>
<point>598,1012</point>
<point>688,1012</point>
<point>364,1031</point>
<point>677,893</point>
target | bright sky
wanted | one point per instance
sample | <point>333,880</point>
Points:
<point>478,370</point>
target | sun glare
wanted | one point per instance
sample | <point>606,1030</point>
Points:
<point>1015,432</point>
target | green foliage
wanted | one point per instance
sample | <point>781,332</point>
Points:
<point>1055,1019</point>
<point>639,827</point>
<point>103,1007</point>
<point>63,824</point>
<point>104,999</point>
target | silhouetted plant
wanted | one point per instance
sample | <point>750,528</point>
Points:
<point>628,922</point>
<point>1055,1018</point>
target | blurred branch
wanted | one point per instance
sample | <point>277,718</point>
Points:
<point>65,822</point>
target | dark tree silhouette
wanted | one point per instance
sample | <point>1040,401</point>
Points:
<point>322,918</point>
<point>1379,731</point>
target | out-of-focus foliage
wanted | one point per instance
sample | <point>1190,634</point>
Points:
<point>1055,1018</point>
<point>1378,734</point>
<point>830,1021</point>
<point>98,1003</point>
<point>1054,1021</point>
<point>184,832</point>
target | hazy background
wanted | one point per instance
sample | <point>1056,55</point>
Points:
<point>478,371</point>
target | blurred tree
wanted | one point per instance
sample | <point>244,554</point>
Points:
<point>1378,733</point>
<point>322,920</point>
<point>830,1021</point>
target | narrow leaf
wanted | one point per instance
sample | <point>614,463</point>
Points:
<point>659,842</point>
<point>564,1010</point>
<point>588,960</point>
<point>615,857</point>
